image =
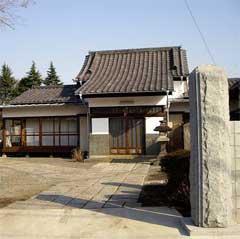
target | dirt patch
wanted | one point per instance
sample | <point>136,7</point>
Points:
<point>17,185</point>
<point>6,201</point>
<point>23,178</point>
<point>60,162</point>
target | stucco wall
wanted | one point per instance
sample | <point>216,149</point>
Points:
<point>127,101</point>
<point>180,89</point>
<point>99,137</point>
<point>100,126</point>
<point>37,111</point>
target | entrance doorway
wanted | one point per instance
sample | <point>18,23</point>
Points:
<point>127,135</point>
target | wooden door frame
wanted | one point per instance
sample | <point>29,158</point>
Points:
<point>126,129</point>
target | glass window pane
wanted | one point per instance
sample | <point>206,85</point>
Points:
<point>8,141</point>
<point>64,126</point>
<point>15,141</point>
<point>64,140</point>
<point>47,126</point>
<point>13,133</point>
<point>57,140</point>
<point>73,140</point>
<point>33,140</point>
<point>72,122</point>
<point>8,124</point>
<point>56,125</point>
<point>16,128</point>
<point>32,126</point>
<point>47,140</point>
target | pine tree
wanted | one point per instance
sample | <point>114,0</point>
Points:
<point>52,77</point>
<point>33,78</point>
<point>7,84</point>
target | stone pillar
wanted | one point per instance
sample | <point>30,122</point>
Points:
<point>210,166</point>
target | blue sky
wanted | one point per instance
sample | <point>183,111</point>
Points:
<point>64,31</point>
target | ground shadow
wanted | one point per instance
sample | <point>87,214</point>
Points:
<point>114,206</point>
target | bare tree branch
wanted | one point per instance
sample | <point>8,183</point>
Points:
<point>8,8</point>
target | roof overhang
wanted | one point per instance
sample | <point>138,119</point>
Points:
<point>122,94</point>
<point>102,95</point>
<point>30,105</point>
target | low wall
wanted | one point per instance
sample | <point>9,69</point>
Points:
<point>235,149</point>
<point>99,144</point>
<point>152,146</point>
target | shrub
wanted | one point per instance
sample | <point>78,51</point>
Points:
<point>78,155</point>
<point>176,165</point>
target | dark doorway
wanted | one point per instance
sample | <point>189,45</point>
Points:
<point>127,135</point>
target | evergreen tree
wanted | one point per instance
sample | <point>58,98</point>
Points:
<point>33,78</point>
<point>23,85</point>
<point>52,77</point>
<point>7,84</point>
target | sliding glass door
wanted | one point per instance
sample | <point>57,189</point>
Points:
<point>52,131</point>
<point>127,135</point>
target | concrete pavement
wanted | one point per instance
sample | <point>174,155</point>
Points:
<point>104,223</point>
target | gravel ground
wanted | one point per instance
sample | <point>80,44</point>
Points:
<point>58,183</point>
<point>18,183</point>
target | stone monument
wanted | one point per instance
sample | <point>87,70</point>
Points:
<point>210,163</point>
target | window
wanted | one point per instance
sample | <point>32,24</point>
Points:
<point>48,132</point>
<point>13,133</point>
<point>68,132</point>
<point>32,132</point>
<point>62,131</point>
<point>59,132</point>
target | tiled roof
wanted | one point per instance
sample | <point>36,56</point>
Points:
<point>132,71</point>
<point>48,95</point>
<point>234,83</point>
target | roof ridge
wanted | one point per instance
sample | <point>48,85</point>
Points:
<point>52,86</point>
<point>135,50</point>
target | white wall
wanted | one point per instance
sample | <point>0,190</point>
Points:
<point>151,124</point>
<point>100,126</point>
<point>180,88</point>
<point>127,101</point>
<point>37,111</point>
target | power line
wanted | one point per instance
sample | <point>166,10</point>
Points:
<point>200,32</point>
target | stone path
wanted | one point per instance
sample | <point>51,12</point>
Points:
<point>103,185</point>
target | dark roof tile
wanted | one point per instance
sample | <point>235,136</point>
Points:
<point>47,95</point>
<point>132,70</point>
